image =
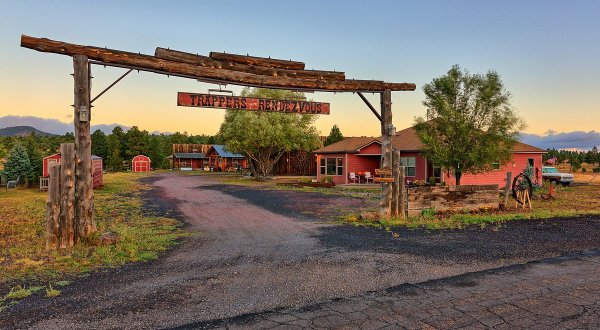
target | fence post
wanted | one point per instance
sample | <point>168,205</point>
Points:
<point>67,193</point>
<point>507,188</point>
<point>403,197</point>
<point>53,207</point>
<point>396,184</point>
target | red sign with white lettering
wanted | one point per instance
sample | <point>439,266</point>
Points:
<point>251,104</point>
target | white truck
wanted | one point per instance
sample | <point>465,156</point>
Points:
<point>553,175</point>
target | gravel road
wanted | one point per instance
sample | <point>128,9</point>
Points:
<point>257,250</point>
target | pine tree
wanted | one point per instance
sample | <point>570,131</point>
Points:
<point>32,146</point>
<point>114,150</point>
<point>99,144</point>
<point>335,135</point>
<point>17,164</point>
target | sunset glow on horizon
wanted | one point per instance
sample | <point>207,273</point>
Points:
<point>546,53</point>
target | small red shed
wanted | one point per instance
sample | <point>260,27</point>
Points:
<point>140,163</point>
<point>97,179</point>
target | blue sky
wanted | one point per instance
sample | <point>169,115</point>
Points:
<point>546,52</point>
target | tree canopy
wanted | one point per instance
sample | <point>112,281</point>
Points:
<point>265,136</point>
<point>335,135</point>
<point>470,123</point>
<point>17,164</point>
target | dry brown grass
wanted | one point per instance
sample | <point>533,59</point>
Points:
<point>118,209</point>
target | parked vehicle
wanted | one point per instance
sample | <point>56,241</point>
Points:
<point>553,175</point>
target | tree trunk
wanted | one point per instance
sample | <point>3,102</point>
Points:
<point>457,176</point>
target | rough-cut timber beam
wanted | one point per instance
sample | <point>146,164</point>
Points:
<point>153,64</point>
<point>183,57</point>
<point>262,61</point>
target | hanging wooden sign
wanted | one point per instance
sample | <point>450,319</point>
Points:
<point>383,171</point>
<point>383,180</point>
<point>251,103</point>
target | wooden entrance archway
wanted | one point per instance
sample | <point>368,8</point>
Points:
<point>218,68</point>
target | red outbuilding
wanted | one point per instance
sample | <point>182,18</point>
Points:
<point>140,163</point>
<point>97,179</point>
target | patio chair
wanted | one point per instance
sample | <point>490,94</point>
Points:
<point>368,177</point>
<point>353,177</point>
<point>13,183</point>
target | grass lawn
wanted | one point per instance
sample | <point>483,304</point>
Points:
<point>582,198</point>
<point>25,265</point>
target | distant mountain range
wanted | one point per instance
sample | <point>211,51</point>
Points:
<point>22,131</point>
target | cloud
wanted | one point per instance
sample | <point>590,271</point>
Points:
<point>53,126</point>
<point>578,140</point>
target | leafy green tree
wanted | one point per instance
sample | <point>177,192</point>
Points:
<point>470,123</point>
<point>335,135</point>
<point>17,164</point>
<point>264,137</point>
<point>575,162</point>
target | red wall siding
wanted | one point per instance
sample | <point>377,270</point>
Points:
<point>372,149</point>
<point>337,179</point>
<point>97,178</point>
<point>352,163</point>
<point>45,163</point>
<point>516,165</point>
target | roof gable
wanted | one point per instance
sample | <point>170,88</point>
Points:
<point>220,150</point>
<point>404,140</point>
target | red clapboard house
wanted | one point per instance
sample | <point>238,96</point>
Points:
<point>363,154</point>
<point>140,163</point>
<point>97,178</point>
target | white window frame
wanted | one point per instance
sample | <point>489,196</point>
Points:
<point>339,166</point>
<point>407,167</point>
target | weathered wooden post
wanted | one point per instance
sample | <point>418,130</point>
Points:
<point>386,149</point>
<point>53,207</point>
<point>85,224</point>
<point>67,195</point>
<point>396,184</point>
<point>403,194</point>
<point>507,188</point>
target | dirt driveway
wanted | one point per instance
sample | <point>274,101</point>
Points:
<point>258,250</point>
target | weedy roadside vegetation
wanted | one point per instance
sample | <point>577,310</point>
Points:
<point>578,200</point>
<point>118,206</point>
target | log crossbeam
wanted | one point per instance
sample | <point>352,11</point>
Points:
<point>295,78</point>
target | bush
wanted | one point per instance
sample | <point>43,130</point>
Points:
<point>326,179</point>
<point>428,212</point>
<point>432,181</point>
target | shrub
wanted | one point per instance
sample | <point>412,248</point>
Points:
<point>432,181</point>
<point>428,212</point>
<point>326,179</point>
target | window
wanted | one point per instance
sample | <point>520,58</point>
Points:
<point>410,165</point>
<point>530,162</point>
<point>496,166</point>
<point>331,166</point>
